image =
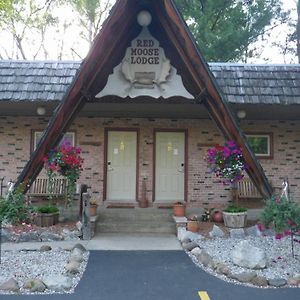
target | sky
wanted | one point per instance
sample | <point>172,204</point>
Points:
<point>75,49</point>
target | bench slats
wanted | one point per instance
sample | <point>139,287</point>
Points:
<point>41,184</point>
<point>246,189</point>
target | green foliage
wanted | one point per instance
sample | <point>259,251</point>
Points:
<point>14,209</point>
<point>281,214</point>
<point>224,29</point>
<point>47,209</point>
<point>235,209</point>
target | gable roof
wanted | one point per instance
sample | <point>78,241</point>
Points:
<point>239,83</point>
<point>107,51</point>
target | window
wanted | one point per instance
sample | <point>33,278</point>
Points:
<point>68,136</point>
<point>261,144</point>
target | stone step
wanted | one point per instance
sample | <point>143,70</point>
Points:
<point>135,228</point>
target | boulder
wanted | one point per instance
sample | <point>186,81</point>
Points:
<point>205,259</point>
<point>277,282</point>
<point>238,233</point>
<point>10,285</point>
<point>73,267</point>
<point>253,231</point>
<point>295,280</point>
<point>189,246</point>
<point>196,251</point>
<point>216,232</point>
<point>28,237</point>
<point>259,281</point>
<point>35,285</point>
<point>58,283</point>
<point>49,236</point>
<point>247,256</point>
<point>244,276</point>
<point>80,247</point>
<point>221,268</point>
<point>45,248</point>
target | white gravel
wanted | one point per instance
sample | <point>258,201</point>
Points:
<point>24,265</point>
<point>281,264</point>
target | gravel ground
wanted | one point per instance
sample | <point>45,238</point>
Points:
<point>23,265</point>
<point>281,264</point>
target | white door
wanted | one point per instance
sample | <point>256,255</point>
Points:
<point>169,166</point>
<point>121,165</point>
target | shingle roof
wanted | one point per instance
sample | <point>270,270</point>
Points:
<point>240,83</point>
<point>35,80</point>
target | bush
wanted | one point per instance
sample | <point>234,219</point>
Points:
<point>281,214</point>
<point>14,209</point>
<point>47,209</point>
<point>235,209</point>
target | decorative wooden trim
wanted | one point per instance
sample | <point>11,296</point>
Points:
<point>106,130</point>
<point>185,131</point>
<point>270,134</point>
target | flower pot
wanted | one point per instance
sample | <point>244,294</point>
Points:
<point>217,216</point>
<point>179,210</point>
<point>193,226</point>
<point>46,220</point>
<point>93,209</point>
<point>235,220</point>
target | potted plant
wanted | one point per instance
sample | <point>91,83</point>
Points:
<point>179,209</point>
<point>46,215</point>
<point>193,224</point>
<point>64,160</point>
<point>227,162</point>
<point>93,206</point>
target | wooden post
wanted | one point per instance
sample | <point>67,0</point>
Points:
<point>86,219</point>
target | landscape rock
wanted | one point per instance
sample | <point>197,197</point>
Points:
<point>277,282</point>
<point>189,246</point>
<point>221,268</point>
<point>259,281</point>
<point>295,280</point>
<point>244,276</point>
<point>35,285</point>
<point>247,256</point>
<point>80,247</point>
<point>69,235</point>
<point>10,285</point>
<point>28,237</point>
<point>49,236</point>
<point>72,267</point>
<point>216,232</point>
<point>58,283</point>
<point>238,233</point>
<point>196,251</point>
<point>185,235</point>
<point>5,236</point>
<point>205,259</point>
<point>45,248</point>
<point>253,231</point>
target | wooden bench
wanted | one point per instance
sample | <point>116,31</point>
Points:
<point>247,190</point>
<point>40,187</point>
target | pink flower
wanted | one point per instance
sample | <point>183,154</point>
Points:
<point>278,236</point>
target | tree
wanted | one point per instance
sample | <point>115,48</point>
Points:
<point>224,29</point>
<point>22,19</point>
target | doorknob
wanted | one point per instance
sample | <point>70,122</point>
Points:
<point>109,167</point>
<point>181,169</point>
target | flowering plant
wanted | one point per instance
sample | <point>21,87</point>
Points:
<point>64,160</point>
<point>226,162</point>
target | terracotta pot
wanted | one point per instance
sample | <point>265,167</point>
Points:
<point>179,210</point>
<point>217,216</point>
<point>93,209</point>
<point>193,226</point>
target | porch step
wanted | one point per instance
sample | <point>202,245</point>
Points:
<point>135,220</point>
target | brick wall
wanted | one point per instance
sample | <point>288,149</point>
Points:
<point>203,188</point>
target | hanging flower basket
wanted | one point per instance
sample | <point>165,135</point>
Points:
<point>64,160</point>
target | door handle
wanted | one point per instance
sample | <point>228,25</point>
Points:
<point>181,169</point>
<point>109,167</point>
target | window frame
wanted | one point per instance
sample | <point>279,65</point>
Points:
<point>269,136</point>
<point>34,133</point>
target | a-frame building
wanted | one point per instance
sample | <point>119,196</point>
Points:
<point>153,62</point>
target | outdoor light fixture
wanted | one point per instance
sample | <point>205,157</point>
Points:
<point>41,110</point>
<point>144,18</point>
<point>241,114</point>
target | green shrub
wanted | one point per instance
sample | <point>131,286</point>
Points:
<point>14,208</point>
<point>47,209</point>
<point>281,214</point>
<point>235,209</point>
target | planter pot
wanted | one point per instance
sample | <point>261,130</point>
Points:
<point>93,209</point>
<point>46,220</point>
<point>217,216</point>
<point>193,226</point>
<point>235,220</point>
<point>179,210</point>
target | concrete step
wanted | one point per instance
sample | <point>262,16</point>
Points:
<point>148,220</point>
